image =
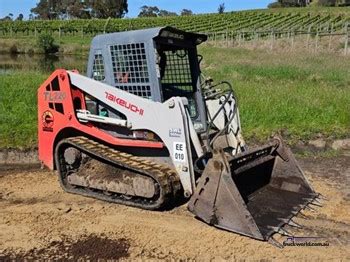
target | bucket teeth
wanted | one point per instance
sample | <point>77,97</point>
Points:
<point>274,229</point>
<point>309,199</point>
<point>300,214</point>
<point>295,212</point>
<point>310,208</point>
<point>322,197</point>
<point>284,220</point>
<point>284,232</point>
<point>274,242</point>
<point>318,204</point>
<point>294,224</point>
<point>301,206</point>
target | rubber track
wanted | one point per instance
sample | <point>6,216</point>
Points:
<point>166,177</point>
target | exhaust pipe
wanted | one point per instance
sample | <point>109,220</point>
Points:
<point>254,193</point>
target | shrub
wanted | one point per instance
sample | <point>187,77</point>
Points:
<point>327,2</point>
<point>47,43</point>
<point>275,5</point>
<point>13,49</point>
<point>30,52</point>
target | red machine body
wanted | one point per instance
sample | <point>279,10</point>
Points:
<point>58,101</point>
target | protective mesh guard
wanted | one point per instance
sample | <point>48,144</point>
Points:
<point>177,70</point>
<point>129,63</point>
<point>142,90</point>
<point>130,69</point>
<point>98,69</point>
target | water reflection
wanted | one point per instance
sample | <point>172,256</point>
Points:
<point>23,62</point>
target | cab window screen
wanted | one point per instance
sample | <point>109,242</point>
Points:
<point>98,69</point>
<point>176,77</point>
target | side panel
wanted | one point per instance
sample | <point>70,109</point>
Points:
<point>56,113</point>
<point>48,118</point>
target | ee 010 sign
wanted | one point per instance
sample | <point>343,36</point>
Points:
<point>179,152</point>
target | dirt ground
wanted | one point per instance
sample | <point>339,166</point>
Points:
<point>39,220</point>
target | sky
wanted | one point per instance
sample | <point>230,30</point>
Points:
<point>197,6</point>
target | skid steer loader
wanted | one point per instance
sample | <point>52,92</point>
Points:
<point>143,129</point>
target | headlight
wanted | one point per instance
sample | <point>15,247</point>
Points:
<point>198,126</point>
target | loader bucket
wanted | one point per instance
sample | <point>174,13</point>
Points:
<point>254,193</point>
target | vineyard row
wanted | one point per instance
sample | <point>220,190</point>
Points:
<point>230,22</point>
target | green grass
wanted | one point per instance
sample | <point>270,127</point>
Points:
<point>299,94</point>
<point>18,109</point>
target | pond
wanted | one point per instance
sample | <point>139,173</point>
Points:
<point>46,64</point>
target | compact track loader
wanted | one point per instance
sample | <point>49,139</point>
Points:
<point>144,129</point>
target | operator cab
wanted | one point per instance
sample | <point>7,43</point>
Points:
<point>156,63</point>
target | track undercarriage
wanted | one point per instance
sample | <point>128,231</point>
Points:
<point>89,168</point>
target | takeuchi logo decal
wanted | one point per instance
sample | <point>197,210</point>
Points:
<point>48,121</point>
<point>123,103</point>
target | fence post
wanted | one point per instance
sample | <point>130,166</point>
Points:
<point>227,37</point>
<point>346,42</point>
<point>316,41</point>
<point>272,39</point>
<point>330,38</point>
<point>233,38</point>
<point>308,37</point>
<point>106,24</point>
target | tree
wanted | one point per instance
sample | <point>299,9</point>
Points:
<point>46,9</point>
<point>289,3</point>
<point>7,18</point>
<point>109,8</point>
<point>185,12</point>
<point>20,17</point>
<point>148,11</point>
<point>154,11</point>
<point>74,9</point>
<point>166,13</point>
<point>221,8</point>
<point>63,9</point>
<point>327,2</point>
<point>274,5</point>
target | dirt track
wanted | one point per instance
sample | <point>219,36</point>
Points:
<point>39,220</point>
